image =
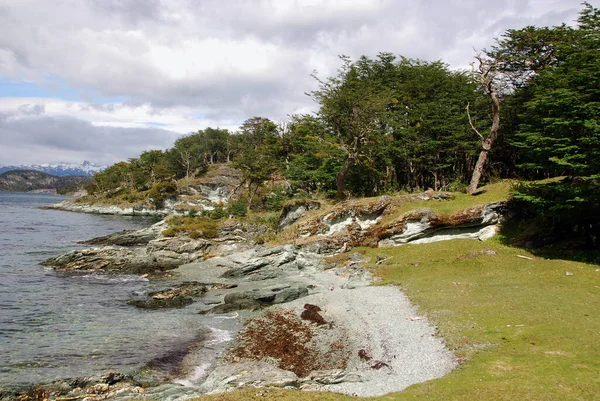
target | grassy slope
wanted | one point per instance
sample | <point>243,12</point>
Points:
<point>525,329</point>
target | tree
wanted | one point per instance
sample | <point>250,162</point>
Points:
<point>487,71</point>
<point>259,146</point>
<point>352,106</point>
<point>433,144</point>
<point>559,130</point>
<point>312,160</point>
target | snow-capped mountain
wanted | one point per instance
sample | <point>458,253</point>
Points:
<point>59,169</point>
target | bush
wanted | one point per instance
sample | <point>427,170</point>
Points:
<point>195,227</point>
<point>161,192</point>
<point>274,200</point>
<point>217,213</point>
<point>238,209</point>
<point>568,209</point>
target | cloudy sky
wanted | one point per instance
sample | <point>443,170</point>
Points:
<point>102,80</point>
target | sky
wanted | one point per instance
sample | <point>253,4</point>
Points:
<point>104,80</point>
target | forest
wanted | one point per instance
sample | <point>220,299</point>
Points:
<point>529,110</point>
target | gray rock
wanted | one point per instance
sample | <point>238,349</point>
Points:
<point>333,376</point>
<point>291,212</point>
<point>129,237</point>
<point>259,298</point>
<point>247,374</point>
<point>246,269</point>
<point>174,302</point>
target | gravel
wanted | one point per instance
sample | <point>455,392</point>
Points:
<point>381,321</point>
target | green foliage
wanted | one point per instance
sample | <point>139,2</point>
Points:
<point>275,199</point>
<point>237,208</point>
<point>557,101</point>
<point>195,227</point>
<point>313,158</point>
<point>161,192</point>
<point>217,213</point>
<point>400,123</point>
<point>566,209</point>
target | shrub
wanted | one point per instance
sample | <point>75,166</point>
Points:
<point>238,209</point>
<point>217,213</point>
<point>195,227</point>
<point>161,192</point>
<point>274,200</point>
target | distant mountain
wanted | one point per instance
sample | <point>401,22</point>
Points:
<point>59,169</point>
<point>37,181</point>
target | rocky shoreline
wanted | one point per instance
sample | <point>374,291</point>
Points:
<point>352,337</point>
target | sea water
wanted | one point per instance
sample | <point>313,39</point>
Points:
<point>55,325</point>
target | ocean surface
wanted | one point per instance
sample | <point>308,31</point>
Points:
<point>55,325</point>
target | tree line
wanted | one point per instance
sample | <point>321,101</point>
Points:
<point>528,109</point>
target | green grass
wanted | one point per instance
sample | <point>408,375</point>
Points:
<point>526,330</point>
<point>523,329</point>
<point>490,193</point>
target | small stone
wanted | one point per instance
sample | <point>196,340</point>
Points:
<point>568,273</point>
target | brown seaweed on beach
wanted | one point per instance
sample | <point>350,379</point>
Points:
<point>379,364</point>
<point>311,313</point>
<point>280,336</point>
<point>364,355</point>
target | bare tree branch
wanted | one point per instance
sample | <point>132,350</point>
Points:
<point>471,123</point>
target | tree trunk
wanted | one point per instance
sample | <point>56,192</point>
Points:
<point>486,145</point>
<point>340,179</point>
<point>487,75</point>
<point>478,171</point>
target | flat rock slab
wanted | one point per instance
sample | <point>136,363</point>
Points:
<point>259,298</point>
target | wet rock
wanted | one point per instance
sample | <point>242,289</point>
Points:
<point>176,301</point>
<point>103,387</point>
<point>108,259</point>
<point>178,296</point>
<point>247,374</point>
<point>159,255</point>
<point>259,298</point>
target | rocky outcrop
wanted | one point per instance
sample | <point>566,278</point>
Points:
<point>294,210</point>
<point>90,388</point>
<point>424,226</point>
<point>130,237</point>
<point>159,255</point>
<point>119,210</point>
<point>360,223</point>
<point>178,296</point>
<point>247,374</point>
<point>220,184</point>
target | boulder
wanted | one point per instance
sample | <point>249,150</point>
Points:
<point>258,298</point>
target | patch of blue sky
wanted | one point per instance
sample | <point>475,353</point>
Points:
<point>155,124</point>
<point>52,88</point>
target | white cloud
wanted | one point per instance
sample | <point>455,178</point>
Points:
<point>184,64</point>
